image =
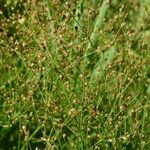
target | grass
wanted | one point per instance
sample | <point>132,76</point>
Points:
<point>74,75</point>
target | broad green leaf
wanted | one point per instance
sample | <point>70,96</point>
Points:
<point>105,59</point>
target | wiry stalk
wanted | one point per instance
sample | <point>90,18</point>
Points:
<point>78,16</point>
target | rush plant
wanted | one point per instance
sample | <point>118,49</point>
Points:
<point>74,74</point>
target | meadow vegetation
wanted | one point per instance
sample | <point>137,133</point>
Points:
<point>74,74</point>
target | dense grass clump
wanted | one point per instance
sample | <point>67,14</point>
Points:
<point>74,74</point>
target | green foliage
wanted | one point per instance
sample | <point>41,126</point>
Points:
<point>105,60</point>
<point>74,74</point>
<point>98,23</point>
